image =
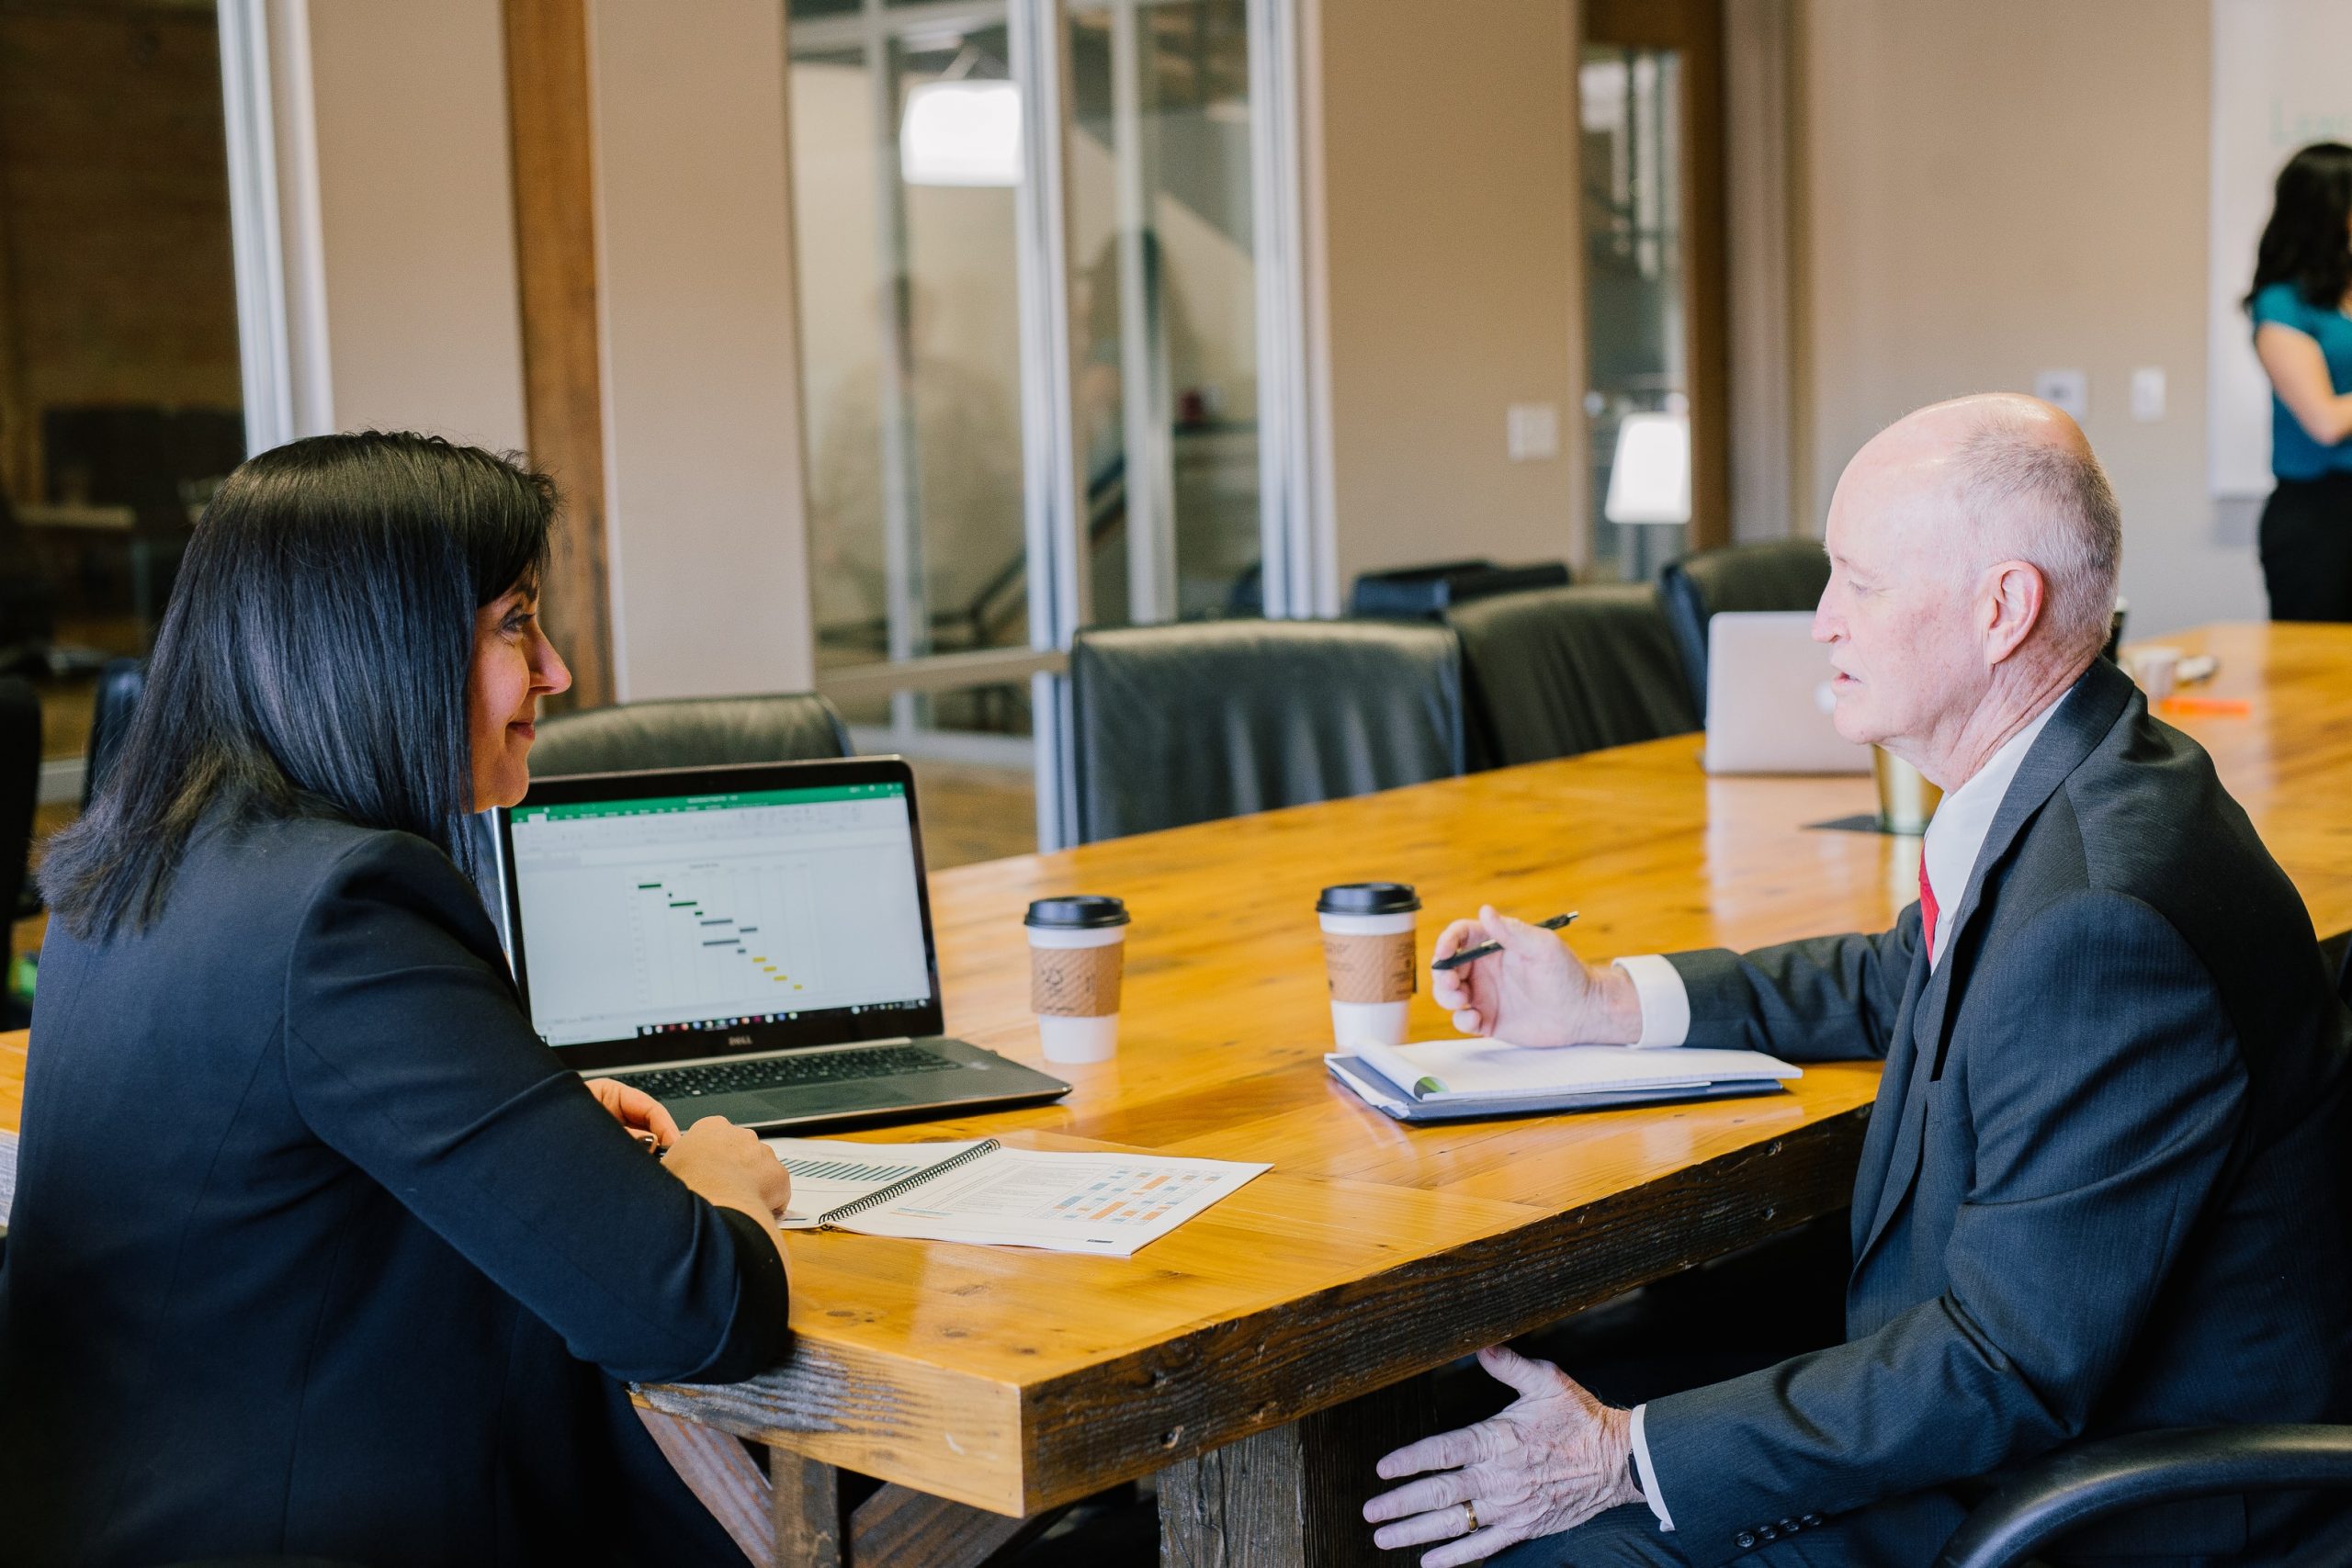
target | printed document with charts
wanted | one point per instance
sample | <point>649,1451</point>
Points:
<point>1108,1202</point>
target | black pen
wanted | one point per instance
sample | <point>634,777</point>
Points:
<point>1489,949</point>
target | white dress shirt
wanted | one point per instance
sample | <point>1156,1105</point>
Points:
<point>1955,838</point>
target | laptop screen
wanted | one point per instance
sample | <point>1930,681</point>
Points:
<point>669,920</point>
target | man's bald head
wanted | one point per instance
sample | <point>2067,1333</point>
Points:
<point>2005,476</point>
<point>1973,548</point>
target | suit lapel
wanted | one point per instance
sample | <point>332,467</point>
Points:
<point>2086,714</point>
<point>1921,1028</point>
<point>1893,1097</point>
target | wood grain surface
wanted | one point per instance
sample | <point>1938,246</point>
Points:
<point>1013,1381</point>
<point>550,118</point>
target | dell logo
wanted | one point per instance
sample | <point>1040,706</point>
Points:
<point>738,1040</point>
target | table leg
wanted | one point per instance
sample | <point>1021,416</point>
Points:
<point>811,1526</point>
<point>895,1526</point>
<point>1292,1496</point>
<point>724,1478</point>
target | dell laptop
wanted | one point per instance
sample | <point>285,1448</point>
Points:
<point>753,942</point>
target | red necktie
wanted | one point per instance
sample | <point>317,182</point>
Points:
<point>1926,907</point>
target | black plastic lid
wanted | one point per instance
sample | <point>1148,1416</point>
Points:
<point>1078,912</point>
<point>1368,898</point>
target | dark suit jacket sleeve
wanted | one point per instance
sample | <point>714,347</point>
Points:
<point>406,1052</point>
<point>2103,1093</point>
<point>1827,999</point>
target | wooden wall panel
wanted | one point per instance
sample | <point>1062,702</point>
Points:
<point>555,244</point>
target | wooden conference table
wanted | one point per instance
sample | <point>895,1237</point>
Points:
<point>1261,1357</point>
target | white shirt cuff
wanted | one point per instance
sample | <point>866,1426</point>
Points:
<point>1648,1476</point>
<point>1666,1001</point>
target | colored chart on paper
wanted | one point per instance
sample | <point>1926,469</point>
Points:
<point>1128,1197</point>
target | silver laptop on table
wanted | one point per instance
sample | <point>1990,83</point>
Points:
<point>1767,698</point>
<point>753,942</point>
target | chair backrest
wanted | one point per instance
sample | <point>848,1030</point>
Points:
<point>1786,574</point>
<point>1426,593</point>
<point>1206,719</point>
<point>120,685</point>
<point>1562,670</point>
<point>19,789</point>
<point>28,598</point>
<point>689,732</point>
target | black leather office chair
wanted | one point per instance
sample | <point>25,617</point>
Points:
<point>1786,574</point>
<point>120,684</point>
<point>27,599</point>
<point>19,792</point>
<point>1206,719</point>
<point>1426,593</point>
<point>689,732</point>
<point>2097,1481</point>
<point>1562,670</point>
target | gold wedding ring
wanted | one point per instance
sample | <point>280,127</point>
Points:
<point>1470,1512</point>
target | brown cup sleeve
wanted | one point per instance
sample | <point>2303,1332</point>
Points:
<point>1369,968</point>
<point>1076,981</point>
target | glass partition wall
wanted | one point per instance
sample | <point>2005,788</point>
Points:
<point>121,387</point>
<point>121,383</point>
<point>1031,291</point>
<point>1637,405</point>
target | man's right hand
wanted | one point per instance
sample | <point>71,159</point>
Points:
<point>728,1165</point>
<point>1536,991</point>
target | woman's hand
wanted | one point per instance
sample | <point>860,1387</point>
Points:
<point>648,1119</point>
<point>728,1165</point>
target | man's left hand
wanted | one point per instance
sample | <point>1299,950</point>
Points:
<point>646,1118</point>
<point>1553,1459</point>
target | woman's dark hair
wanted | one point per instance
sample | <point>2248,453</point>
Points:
<point>313,661</point>
<point>2308,241</point>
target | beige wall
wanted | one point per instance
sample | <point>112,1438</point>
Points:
<point>422,321</point>
<point>1997,187</point>
<point>416,219</point>
<point>1450,247</point>
<point>709,563</point>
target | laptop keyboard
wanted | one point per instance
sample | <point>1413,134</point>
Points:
<point>788,1072</point>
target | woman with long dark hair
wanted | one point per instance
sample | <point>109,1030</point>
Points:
<point>2302,286</point>
<point>317,1251</point>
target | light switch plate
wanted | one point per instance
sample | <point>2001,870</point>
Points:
<point>1533,431</point>
<point>2070,389</point>
<point>2148,394</point>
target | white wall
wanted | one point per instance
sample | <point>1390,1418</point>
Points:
<point>416,219</point>
<point>709,546</point>
<point>1452,275</point>
<point>2001,186</point>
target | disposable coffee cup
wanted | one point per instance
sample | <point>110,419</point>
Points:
<point>1905,799</point>
<point>1368,958</point>
<point>2157,670</point>
<point>1076,948</point>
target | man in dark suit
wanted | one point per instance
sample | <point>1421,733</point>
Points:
<point>2102,1189</point>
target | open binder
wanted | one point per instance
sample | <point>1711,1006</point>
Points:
<point>1455,1081</point>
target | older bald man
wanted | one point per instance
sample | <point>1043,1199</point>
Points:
<point>2102,1187</point>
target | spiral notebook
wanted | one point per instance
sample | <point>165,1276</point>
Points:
<point>1110,1202</point>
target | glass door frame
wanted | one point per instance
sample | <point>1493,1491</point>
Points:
<point>1694,29</point>
<point>1053,483</point>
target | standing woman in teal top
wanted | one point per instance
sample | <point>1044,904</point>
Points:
<point>2302,289</point>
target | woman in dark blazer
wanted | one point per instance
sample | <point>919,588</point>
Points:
<point>316,1249</point>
